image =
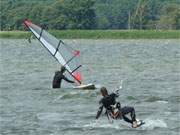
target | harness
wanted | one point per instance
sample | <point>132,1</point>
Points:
<point>114,111</point>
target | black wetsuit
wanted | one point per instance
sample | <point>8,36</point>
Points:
<point>58,78</point>
<point>109,100</point>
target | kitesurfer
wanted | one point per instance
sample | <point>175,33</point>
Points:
<point>113,108</point>
<point>58,77</point>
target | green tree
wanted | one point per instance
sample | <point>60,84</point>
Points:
<point>113,14</point>
<point>91,14</point>
<point>170,18</point>
<point>80,14</point>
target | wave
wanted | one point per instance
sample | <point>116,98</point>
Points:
<point>150,124</point>
<point>155,99</point>
<point>98,124</point>
<point>105,124</point>
<point>49,116</point>
<point>162,101</point>
<point>76,94</point>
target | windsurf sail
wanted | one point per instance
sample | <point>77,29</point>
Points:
<point>63,53</point>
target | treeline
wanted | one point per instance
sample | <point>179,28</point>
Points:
<point>91,14</point>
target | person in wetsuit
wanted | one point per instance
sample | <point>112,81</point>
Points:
<point>58,77</point>
<point>109,103</point>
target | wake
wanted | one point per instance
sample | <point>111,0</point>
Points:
<point>150,124</point>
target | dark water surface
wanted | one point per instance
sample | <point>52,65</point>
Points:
<point>150,70</point>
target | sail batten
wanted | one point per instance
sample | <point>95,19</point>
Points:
<point>67,57</point>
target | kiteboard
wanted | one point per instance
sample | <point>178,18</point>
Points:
<point>85,86</point>
<point>65,54</point>
<point>140,123</point>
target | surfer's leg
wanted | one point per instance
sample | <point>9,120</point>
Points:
<point>126,110</point>
<point>133,115</point>
<point>127,119</point>
<point>56,81</point>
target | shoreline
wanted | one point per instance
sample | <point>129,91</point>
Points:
<point>99,34</point>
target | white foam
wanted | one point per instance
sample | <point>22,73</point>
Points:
<point>106,124</point>
<point>156,123</point>
<point>59,97</point>
<point>150,124</point>
<point>67,94</point>
<point>161,101</point>
<point>98,125</point>
<point>49,116</point>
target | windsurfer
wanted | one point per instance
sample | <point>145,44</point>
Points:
<point>58,77</point>
<point>113,108</point>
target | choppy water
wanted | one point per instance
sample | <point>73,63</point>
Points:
<point>150,70</point>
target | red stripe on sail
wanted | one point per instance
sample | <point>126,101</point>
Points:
<point>77,75</point>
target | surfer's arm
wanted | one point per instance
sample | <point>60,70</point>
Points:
<point>116,93</point>
<point>66,79</point>
<point>99,111</point>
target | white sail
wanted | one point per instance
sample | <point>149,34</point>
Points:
<point>64,54</point>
